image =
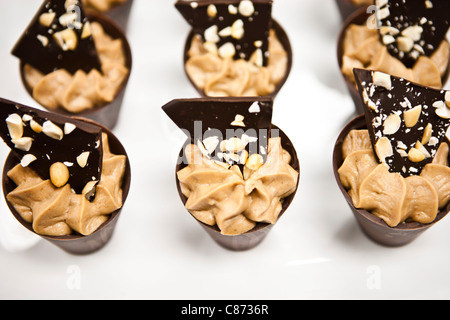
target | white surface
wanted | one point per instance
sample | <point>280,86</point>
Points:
<point>316,251</point>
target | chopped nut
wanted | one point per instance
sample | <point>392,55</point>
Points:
<point>89,187</point>
<point>211,144</point>
<point>36,127</point>
<point>427,134</point>
<point>246,8</point>
<point>254,162</point>
<point>443,112</point>
<point>69,127</point>
<point>413,32</point>
<point>402,153</point>
<point>227,50</point>
<point>415,155</point>
<point>257,58</point>
<point>211,34</point>
<point>383,148</point>
<point>237,29</point>
<point>405,44</point>
<point>392,124</point>
<point>225,32</point>
<point>52,130</point>
<point>419,146</point>
<point>46,19</point>
<point>68,19</point>
<point>83,158</point>
<point>232,9</point>
<point>254,108</point>
<point>23,143</point>
<point>412,116</point>
<point>382,79</point>
<point>59,174</point>
<point>15,126</point>
<point>238,121</point>
<point>27,159</point>
<point>87,31</point>
<point>387,30</point>
<point>243,157</point>
<point>233,145</point>
<point>43,40</point>
<point>211,11</point>
<point>66,39</point>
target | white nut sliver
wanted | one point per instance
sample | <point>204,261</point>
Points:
<point>413,32</point>
<point>383,148</point>
<point>254,108</point>
<point>427,132</point>
<point>83,158</point>
<point>23,143</point>
<point>382,79</point>
<point>69,127</point>
<point>211,34</point>
<point>234,145</point>
<point>412,116</point>
<point>36,127</point>
<point>52,130</point>
<point>46,19</point>
<point>27,159</point>
<point>405,44</point>
<point>227,50</point>
<point>246,8</point>
<point>392,124</point>
<point>211,144</point>
<point>443,112</point>
<point>15,126</point>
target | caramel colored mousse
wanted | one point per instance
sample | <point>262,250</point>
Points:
<point>389,195</point>
<point>363,49</point>
<point>58,211</point>
<point>82,91</point>
<point>216,72</point>
<point>234,200</point>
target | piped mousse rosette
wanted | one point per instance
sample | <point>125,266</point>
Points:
<point>66,179</point>
<point>74,64</point>
<point>235,48</point>
<point>394,165</point>
<point>404,38</point>
<point>237,173</point>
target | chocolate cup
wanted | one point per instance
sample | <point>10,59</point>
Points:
<point>360,17</point>
<point>347,7</point>
<point>107,114</point>
<point>119,13</point>
<point>77,244</point>
<point>282,37</point>
<point>375,228</point>
<point>254,237</point>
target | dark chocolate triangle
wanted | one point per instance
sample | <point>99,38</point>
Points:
<point>412,28</point>
<point>39,45</point>
<point>255,15</point>
<point>249,119</point>
<point>386,95</point>
<point>63,139</point>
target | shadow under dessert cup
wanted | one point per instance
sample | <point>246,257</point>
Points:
<point>347,7</point>
<point>94,237</point>
<point>119,11</point>
<point>234,53</point>
<point>83,91</point>
<point>391,163</point>
<point>371,54</point>
<point>226,207</point>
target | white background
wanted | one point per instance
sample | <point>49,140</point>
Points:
<point>158,251</point>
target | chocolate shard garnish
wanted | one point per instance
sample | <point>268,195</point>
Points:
<point>412,28</point>
<point>58,37</point>
<point>238,28</point>
<point>40,139</point>
<point>223,128</point>
<point>407,122</point>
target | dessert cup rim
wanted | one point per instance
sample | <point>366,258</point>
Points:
<point>359,122</point>
<point>112,216</point>
<point>295,163</point>
<point>282,37</point>
<point>118,34</point>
